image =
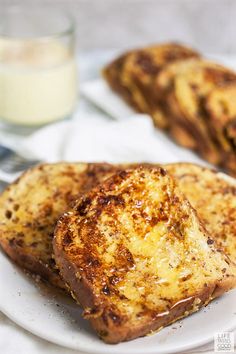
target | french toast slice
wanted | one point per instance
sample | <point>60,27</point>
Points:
<point>112,74</point>
<point>163,87</point>
<point>132,75</point>
<point>221,109</point>
<point>213,195</point>
<point>30,207</point>
<point>141,67</point>
<point>136,256</point>
<point>189,93</point>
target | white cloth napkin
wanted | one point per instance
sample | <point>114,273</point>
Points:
<point>94,137</point>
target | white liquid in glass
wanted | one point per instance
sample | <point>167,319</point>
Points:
<point>38,82</point>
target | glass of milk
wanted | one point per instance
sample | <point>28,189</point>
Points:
<point>38,76</point>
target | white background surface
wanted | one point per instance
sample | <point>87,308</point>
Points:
<point>209,25</point>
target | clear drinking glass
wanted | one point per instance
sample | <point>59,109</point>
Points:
<point>38,76</point>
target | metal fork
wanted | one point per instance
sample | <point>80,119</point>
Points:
<point>12,164</point>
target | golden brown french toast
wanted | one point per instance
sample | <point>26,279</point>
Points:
<point>132,75</point>
<point>213,195</point>
<point>112,74</point>
<point>136,256</point>
<point>186,95</point>
<point>163,88</point>
<point>30,207</point>
<point>190,90</point>
<point>221,109</point>
<point>141,67</point>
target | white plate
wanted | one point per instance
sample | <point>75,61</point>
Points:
<point>57,319</point>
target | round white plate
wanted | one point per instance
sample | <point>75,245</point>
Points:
<point>57,318</point>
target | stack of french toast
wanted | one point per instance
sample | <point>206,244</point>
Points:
<point>191,98</point>
<point>138,246</point>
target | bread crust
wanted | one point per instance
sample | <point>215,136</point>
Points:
<point>35,266</point>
